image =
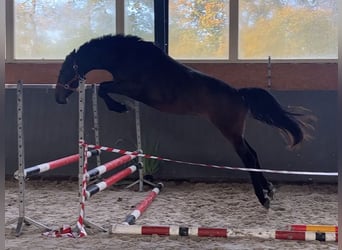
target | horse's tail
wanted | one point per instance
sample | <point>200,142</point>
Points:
<point>293,122</point>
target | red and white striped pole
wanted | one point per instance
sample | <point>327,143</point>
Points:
<point>95,188</point>
<point>221,232</point>
<point>80,221</point>
<point>35,170</point>
<point>142,206</point>
<point>306,235</point>
<point>100,170</point>
<point>169,231</point>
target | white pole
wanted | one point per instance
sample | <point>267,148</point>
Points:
<point>21,158</point>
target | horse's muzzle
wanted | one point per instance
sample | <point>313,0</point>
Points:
<point>60,95</point>
<point>61,101</point>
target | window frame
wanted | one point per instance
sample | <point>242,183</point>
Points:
<point>120,27</point>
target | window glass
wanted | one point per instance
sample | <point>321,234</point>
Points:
<point>51,29</point>
<point>288,29</point>
<point>139,18</point>
<point>198,29</point>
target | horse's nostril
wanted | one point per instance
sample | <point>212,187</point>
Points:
<point>61,100</point>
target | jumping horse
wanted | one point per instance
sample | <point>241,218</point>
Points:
<point>145,73</point>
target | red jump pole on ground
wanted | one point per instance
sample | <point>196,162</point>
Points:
<point>169,231</point>
<point>142,206</point>
<point>98,187</point>
<point>100,170</point>
<point>35,170</point>
<point>221,232</point>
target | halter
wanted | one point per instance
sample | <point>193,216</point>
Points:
<point>77,76</point>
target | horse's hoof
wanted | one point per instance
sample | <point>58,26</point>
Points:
<point>271,190</point>
<point>123,109</point>
<point>267,203</point>
<point>271,193</point>
<point>118,108</point>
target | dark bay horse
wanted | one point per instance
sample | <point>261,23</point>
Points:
<point>145,73</point>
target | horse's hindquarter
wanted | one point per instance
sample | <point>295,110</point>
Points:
<point>185,91</point>
<point>215,96</point>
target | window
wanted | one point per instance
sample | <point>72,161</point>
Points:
<point>198,29</point>
<point>228,30</point>
<point>139,18</point>
<point>51,29</point>
<point>288,29</point>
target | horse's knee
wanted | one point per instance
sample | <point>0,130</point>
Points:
<point>102,92</point>
<point>113,105</point>
<point>105,88</point>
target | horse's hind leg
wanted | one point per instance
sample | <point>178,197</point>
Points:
<point>266,185</point>
<point>232,127</point>
<point>248,156</point>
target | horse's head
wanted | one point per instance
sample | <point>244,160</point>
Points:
<point>68,79</point>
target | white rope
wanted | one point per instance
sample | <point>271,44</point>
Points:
<point>120,151</point>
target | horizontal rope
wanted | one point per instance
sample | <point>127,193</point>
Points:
<point>126,152</point>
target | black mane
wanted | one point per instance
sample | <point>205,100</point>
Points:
<point>107,41</point>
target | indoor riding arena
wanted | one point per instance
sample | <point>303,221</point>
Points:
<point>171,124</point>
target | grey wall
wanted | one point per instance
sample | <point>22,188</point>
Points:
<point>51,132</point>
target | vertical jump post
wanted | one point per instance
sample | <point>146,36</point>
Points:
<point>21,162</point>
<point>81,107</point>
<point>96,121</point>
<point>82,162</point>
<point>139,144</point>
<point>141,179</point>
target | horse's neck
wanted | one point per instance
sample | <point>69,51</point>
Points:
<point>88,61</point>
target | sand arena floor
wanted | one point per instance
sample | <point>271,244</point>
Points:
<point>224,205</point>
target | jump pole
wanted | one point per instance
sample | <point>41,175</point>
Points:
<point>142,206</point>
<point>100,170</point>
<point>44,167</point>
<point>98,187</point>
<point>220,232</point>
<point>306,235</point>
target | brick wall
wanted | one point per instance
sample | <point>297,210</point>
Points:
<point>285,76</point>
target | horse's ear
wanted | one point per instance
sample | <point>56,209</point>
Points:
<point>73,52</point>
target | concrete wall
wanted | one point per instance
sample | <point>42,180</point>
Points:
<point>51,132</point>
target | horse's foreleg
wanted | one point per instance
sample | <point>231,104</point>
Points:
<point>104,89</point>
